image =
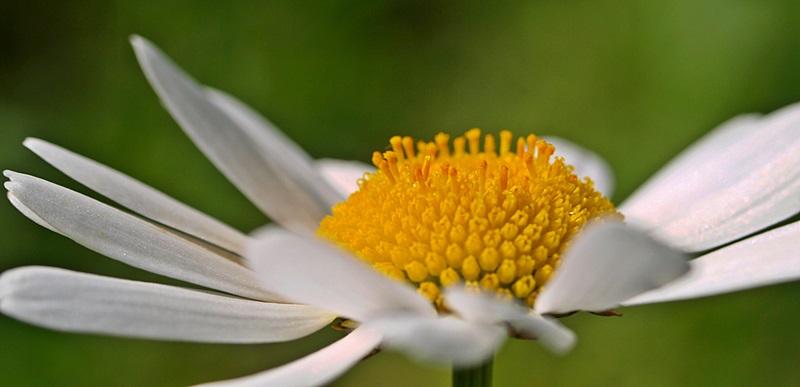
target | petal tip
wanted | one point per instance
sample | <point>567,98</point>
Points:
<point>138,42</point>
<point>12,182</point>
<point>10,281</point>
<point>31,142</point>
<point>146,53</point>
<point>37,146</point>
<point>563,346</point>
<point>6,280</point>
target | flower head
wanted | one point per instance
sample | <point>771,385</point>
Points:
<point>507,217</point>
<point>497,219</point>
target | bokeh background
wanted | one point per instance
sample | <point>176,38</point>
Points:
<point>636,81</point>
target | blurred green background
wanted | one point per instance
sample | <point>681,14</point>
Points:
<point>636,81</point>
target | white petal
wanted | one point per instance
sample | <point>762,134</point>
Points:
<point>139,197</point>
<point>523,321</point>
<point>290,161</point>
<point>586,163</point>
<point>131,240</point>
<point>27,212</point>
<point>441,340</point>
<point>310,271</point>
<point>266,167</point>
<point>547,330</point>
<point>343,175</point>
<point>766,259</point>
<point>608,264</point>
<point>77,302</point>
<point>316,369</point>
<point>738,179</point>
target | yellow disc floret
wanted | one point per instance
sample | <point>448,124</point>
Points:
<point>495,219</point>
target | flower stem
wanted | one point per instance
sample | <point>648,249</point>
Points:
<point>478,376</point>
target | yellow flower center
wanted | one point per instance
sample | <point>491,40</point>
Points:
<point>498,220</point>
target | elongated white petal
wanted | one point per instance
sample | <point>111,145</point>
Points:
<point>279,183</point>
<point>766,259</point>
<point>547,330</point>
<point>289,161</point>
<point>310,271</point>
<point>609,264</point>
<point>77,302</point>
<point>129,239</point>
<point>522,321</point>
<point>316,369</point>
<point>586,163</point>
<point>441,340</point>
<point>139,197</point>
<point>740,178</point>
<point>27,212</point>
<point>343,175</point>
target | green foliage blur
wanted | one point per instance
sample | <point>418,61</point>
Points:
<point>636,81</point>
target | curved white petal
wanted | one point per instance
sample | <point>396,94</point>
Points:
<point>740,178</point>
<point>290,162</point>
<point>129,239</point>
<point>769,258</point>
<point>343,175</point>
<point>77,302</point>
<point>522,321</point>
<point>319,368</point>
<point>548,331</point>
<point>440,340</point>
<point>310,271</point>
<point>139,197</point>
<point>608,264</point>
<point>266,167</point>
<point>586,163</point>
<point>27,212</point>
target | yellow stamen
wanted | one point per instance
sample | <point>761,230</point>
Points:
<point>442,144</point>
<point>459,145</point>
<point>497,220</point>
<point>474,137</point>
<point>449,276</point>
<point>489,145</point>
<point>505,142</point>
<point>408,146</point>
<point>397,147</point>
<point>429,290</point>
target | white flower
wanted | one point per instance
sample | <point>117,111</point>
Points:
<point>742,178</point>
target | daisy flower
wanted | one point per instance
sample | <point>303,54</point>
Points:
<point>441,250</point>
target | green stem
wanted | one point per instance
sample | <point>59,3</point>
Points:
<point>478,376</point>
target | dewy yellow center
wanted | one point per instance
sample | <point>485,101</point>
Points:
<point>497,219</point>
